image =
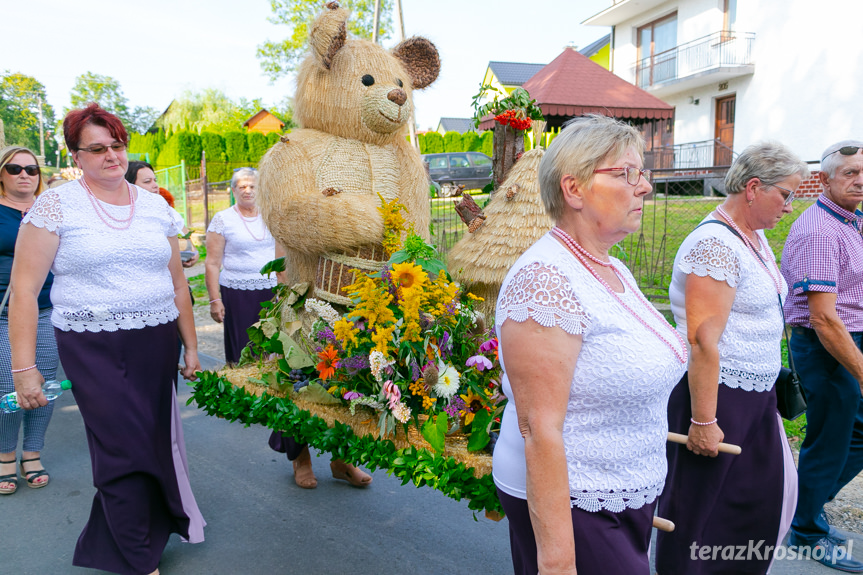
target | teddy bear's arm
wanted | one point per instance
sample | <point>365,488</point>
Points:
<point>301,216</point>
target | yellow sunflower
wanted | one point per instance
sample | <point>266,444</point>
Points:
<point>408,276</point>
<point>473,403</point>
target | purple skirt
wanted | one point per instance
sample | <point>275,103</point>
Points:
<point>123,384</point>
<point>242,309</point>
<point>729,500</point>
<point>605,542</point>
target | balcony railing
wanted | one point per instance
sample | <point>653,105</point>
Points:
<point>691,155</point>
<point>718,50</point>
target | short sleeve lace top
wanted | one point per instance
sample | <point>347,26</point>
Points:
<point>749,349</point>
<point>107,279</point>
<point>248,247</point>
<point>615,427</point>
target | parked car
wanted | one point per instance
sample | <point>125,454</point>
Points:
<point>470,169</point>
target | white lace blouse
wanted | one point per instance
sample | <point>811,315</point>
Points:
<point>749,349</point>
<point>615,427</point>
<point>107,279</point>
<point>248,247</point>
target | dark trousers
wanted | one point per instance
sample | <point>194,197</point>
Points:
<point>832,453</point>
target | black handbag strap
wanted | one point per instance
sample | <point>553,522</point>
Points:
<point>779,297</point>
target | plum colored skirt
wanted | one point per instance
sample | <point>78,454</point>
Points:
<point>242,309</point>
<point>729,500</point>
<point>606,543</point>
<point>123,384</point>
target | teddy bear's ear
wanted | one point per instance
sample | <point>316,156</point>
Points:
<point>329,33</point>
<point>421,60</point>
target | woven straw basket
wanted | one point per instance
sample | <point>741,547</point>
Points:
<point>335,271</point>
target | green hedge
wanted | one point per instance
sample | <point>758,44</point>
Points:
<point>487,143</point>
<point>257,146</point>
<point>452,142</point>
<point>214,145</point>
<point>471,142</point>
<point>217,396</point>
<point>236,147</point>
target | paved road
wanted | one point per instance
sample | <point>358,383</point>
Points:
<point>259,521</point>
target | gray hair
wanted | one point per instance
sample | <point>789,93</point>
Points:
<point>770,162</point>
<point>831,159</point>
<point>243,174</point>
<point>582,144</point>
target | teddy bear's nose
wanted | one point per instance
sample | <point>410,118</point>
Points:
<point>397,96</point>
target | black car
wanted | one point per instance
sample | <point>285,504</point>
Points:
<point>470,169</point>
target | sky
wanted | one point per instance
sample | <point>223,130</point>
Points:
<point>160,48</point>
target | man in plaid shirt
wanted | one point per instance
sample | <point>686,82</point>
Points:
<point>823,265</point>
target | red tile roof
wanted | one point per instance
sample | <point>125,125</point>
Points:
<point>574,85</point>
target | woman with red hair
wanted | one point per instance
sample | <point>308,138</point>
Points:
<point>119,298</point>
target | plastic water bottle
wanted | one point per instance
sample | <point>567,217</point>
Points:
<point>51,389</point>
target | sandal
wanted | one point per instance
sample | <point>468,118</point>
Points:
<point>10,478</point>
<point>349,473</point>
<point>31,476</point>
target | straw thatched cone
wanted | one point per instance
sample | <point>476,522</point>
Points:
<point>319,186</point>
<point>515,220</point>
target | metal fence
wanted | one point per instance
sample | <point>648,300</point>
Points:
<point>173,179</point>
<point>447,227</point>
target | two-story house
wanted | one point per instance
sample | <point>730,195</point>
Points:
<point>738,72</point>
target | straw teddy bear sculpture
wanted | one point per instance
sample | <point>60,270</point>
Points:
<point>320,185</point>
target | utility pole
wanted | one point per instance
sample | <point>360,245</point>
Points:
<point>377,20</point>
<point>400,20</point>
<point>41,129</point>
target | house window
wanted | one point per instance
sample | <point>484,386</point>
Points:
<point>657,57</point>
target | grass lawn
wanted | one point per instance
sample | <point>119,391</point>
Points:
<point>199,289</point>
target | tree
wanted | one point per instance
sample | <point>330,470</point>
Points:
<point>105,91</point>
<point>142,119</point>
<point>282,57</point>
<point>19,111</point>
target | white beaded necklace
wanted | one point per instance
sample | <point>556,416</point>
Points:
<point>776,283</point>
<point>246,225</point>
<point>583,256</point>
<point>124,223</point>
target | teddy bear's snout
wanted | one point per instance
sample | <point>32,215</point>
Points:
<point>397,96</point>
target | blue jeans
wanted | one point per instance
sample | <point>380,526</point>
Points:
<point>832,453</point>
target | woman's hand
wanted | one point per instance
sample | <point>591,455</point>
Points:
<point>28,384</point>
<point>195,257</point>
<point>193,365</point>
<point>217,311</point>
<point>705,439</point>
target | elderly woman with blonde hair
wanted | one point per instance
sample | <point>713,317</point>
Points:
<point>725,295</point>
<point>588,367</point>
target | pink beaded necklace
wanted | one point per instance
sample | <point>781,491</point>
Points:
<point>776,283</point>
<point>585,257</point>
<point>246,225</point>
<point>107,216</point>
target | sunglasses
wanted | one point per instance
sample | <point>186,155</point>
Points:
<point>252,169</point>
<point>99,149</point>
<point>845,151</point>
<point>15,169</point>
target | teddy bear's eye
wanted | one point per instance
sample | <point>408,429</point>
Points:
<point>368,80</point>
<point>399,82</point>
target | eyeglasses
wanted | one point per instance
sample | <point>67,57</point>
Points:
<point>99,149</point>
<point>252,169</point>
<point>845,151</point>
<point>15,169</point>
<point>633,175</point>
<point>790,197</point>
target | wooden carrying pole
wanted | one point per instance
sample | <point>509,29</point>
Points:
<point>400,21</point>
<point>663,524</point>
<point>723,447</point>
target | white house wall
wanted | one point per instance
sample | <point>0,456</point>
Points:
<point>807,85</point>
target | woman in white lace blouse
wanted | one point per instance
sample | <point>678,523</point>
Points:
<point>588,366</point>
<point>238,246</point>
<point>724,293</point>
<point>119,298</point>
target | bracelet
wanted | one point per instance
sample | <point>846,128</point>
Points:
<point>215,300</point>
<point>24,369</point>
<point>705,423</point>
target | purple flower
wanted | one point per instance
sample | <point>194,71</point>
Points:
<point>488,345</point>
<point>352,395</point>
<point>480,362</point>
<point>445,346</point>
<point>415,370</point>
<point>355,363</point>
<point>387,277</point>
<point>326,334</point>
<point>456,405</point>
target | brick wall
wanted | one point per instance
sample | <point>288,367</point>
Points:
<point>810,188</point>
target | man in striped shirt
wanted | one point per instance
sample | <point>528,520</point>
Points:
<point>823,265</point>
